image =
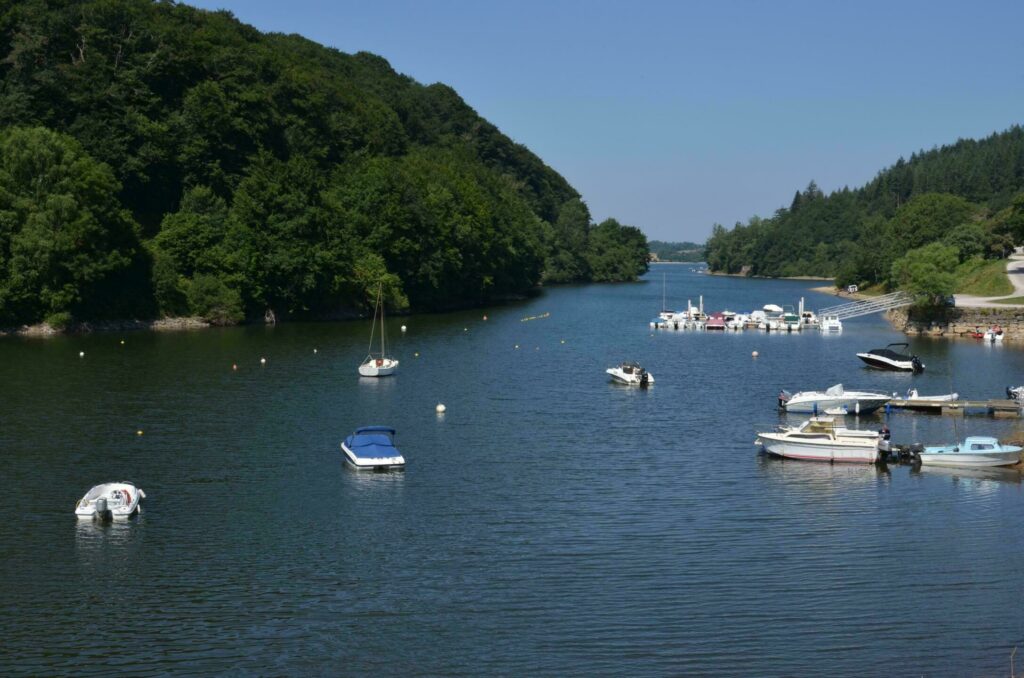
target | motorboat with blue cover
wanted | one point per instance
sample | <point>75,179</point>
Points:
<point>888,359</point>
<point>975,451</point>
<point>372,448</point>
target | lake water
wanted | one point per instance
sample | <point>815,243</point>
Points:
<point>550,522</point>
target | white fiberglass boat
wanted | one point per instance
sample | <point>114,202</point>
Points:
<point>830,324</point>
<point>632,374</point>
<point>378,364</point>
<point>110,500</point>
<point>993,335</point>
<point>812,402</point>
<point>819,439</point>
<point>975,451</point>
<point>914,397</point>
<point>372,448</point>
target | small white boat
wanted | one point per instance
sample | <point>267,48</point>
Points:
<point>378,364</point>
<point>119,501</point>
<point>975,451</point>
<point>993,335</point>
<point>913,396</point>
<point>830,324</point>
<point>888,359</point>
<point>813,402</point>
<point>819,439</point>
<point>372,448</point>
<point>632,374</point>
<point>1015,393</point>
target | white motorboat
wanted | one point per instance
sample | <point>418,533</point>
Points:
<point>975,451</point>
<point>1015,393</point>
<point>993,335</point>
<point>378,364</point>
<point>819,439</point>
<point>813,402</point>
<point>912,397</point>
<point>372,448</point>
<point>830,324</point>
<point>110,500</point>
<point>632,374</point>
<point>888,359</point>
<point>737,322</point>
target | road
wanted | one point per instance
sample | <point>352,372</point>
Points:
<point>1015,272</point>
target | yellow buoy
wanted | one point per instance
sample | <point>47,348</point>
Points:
<point>139,432</point>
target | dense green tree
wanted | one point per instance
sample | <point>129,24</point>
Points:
<point>927,272</point>
<point>616,252</point>
<point>66,244</point>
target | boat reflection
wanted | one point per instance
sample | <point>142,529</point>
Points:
<point>994,473</point>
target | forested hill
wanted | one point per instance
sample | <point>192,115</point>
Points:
<point>156,159</point>
<point>966,196</point>
<point>676,251</point>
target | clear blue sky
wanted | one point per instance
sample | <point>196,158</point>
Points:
<point>672,116</point>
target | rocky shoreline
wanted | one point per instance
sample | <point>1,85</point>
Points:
<point>959,322</point>
<point>161,325</point>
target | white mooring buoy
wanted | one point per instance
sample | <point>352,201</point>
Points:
<point>263,361</point>
<point>440,409</point>
<point>403,328</point>
<point>754,354</point>
<point>81,354</point>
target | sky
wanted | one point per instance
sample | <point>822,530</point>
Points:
<point>674,116</point>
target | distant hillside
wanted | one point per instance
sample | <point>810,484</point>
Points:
<point>967,195</point>
<point>157,159</point>
<point>676,251</point>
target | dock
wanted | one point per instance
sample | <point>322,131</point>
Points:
<point>996,408</point>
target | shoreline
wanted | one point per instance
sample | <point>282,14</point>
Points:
<point>769,277</point>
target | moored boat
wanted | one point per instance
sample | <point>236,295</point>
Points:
<point>378,364</point>
<point>372,448</point>
<point>819,439</point>
<point>110,500</point>
<point>830,324</point>
<point>888,359</point>
<point>631,374</point>
<point>913,397</point>
<point>975,451</point>
<point>813,402</point>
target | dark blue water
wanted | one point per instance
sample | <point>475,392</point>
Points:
<point>549,523</point>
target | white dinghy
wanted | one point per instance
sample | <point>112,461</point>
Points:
<point>119,501</point>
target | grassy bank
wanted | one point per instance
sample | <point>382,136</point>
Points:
<point>983,278</point>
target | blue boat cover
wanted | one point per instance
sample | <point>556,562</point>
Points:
<point>372,442</point>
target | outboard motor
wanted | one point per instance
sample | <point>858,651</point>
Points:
<point>916,363</point>
<point>783,399</point>
<point>102,511</point>
<point>915,451</point>
<point>644,379</point>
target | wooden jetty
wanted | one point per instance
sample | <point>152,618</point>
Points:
<point>997,408</point>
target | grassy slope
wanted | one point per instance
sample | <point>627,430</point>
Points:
<point>983,278</point>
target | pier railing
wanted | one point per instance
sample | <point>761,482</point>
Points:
<point>854,309</point>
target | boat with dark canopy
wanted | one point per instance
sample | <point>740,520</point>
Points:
<point>888,359</point>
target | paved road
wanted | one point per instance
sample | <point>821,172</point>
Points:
<point>1015,272</point>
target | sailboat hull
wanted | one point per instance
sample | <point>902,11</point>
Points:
<point>380,367</point>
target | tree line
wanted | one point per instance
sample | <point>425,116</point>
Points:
<point>950,204</point>
<point>157,159</point>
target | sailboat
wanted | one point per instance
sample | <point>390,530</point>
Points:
<point>378,364</point>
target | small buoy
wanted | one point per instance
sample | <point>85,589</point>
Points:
<point>263,361</point>
<point>403,328</point>
<point>754,354</point>
<point>416,354</point>
<point>563,341</point>
<point>314,350</point>
<point>537,348</point>
<point>81,354</point>
<point>485,317</point>
<point>139,432</point>
<point>440,408</point>
<point>234,366</point>
<point>122,342</point>
<point>465,329</point>
<point>517,346</point>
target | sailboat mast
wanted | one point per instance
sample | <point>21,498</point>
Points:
<point>380,300</point>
